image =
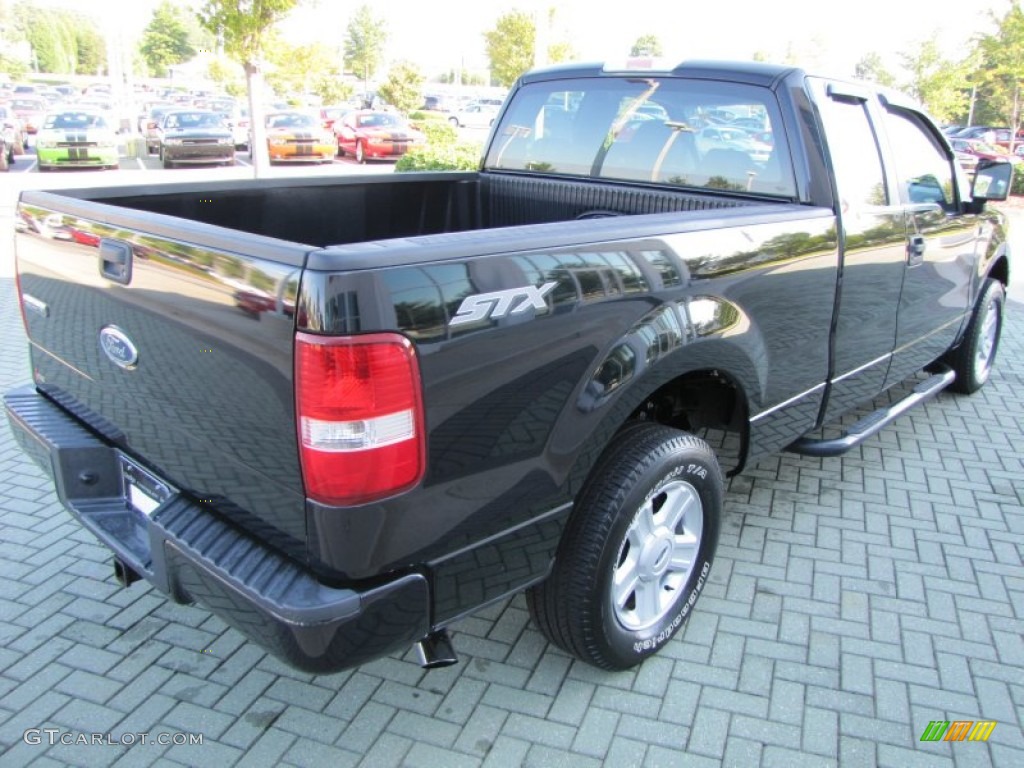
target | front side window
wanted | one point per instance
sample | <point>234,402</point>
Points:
<point>668,130</point>
<point>925,172</point>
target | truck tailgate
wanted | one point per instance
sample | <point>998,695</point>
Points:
<point>173,346</point>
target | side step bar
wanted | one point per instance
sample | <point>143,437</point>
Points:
<point>874,422</point>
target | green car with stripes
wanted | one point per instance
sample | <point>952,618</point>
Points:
<point>76,138</point>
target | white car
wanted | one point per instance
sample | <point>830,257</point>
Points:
<point>474,115</point>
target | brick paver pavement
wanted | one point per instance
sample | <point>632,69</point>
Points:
<point>852,602</point>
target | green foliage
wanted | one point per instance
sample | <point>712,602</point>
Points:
<point>1017,185</point>
<point>421,119</point>
<point>439,132</point>
<point>939,83</point>
<point>510,46</point>
<point>243,27</point>
<point>646,45</point>
<point>871,68</point>
<point>442,152</point>
<point>999,79</point>
<point>61,42</point>
<point>305,69</point>
<point>364,43</point>
<point>331,88</point>
<point>165,41</point>
<point>91,50</point>
<point>466,78</point>
<point>442,157</point>
<point>227,75</point>
<point>403,88</point>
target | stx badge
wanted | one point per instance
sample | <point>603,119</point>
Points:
<point>497,304</point>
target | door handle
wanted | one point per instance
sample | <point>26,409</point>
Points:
<point>915,250</point>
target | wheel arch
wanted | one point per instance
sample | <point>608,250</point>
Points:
<point>691,396</point>
<point>1000,269</point>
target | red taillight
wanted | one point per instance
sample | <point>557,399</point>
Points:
<point>360,417</point>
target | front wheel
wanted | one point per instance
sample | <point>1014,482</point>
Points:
<point>636,551</point>
<point>360,154</point>
<point>972,361</point>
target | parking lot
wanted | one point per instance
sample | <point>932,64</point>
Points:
<point>853,601</point>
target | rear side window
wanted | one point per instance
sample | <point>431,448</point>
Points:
<point>856,161</point>
<point>690,133</point>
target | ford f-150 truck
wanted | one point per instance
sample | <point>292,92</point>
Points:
<point>344,412</point>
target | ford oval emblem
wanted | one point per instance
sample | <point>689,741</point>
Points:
<point>118,347</point>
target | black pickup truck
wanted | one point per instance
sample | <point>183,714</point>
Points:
<point>344,412</point>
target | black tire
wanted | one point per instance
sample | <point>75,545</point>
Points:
<point>972,361</point>
<point>360,154</point>
<point>649,515</point>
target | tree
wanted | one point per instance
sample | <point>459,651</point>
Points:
<point>221,71</point>
<point>937,82</point>
<point>243,26</point>
<point>403,88</point>
<point>165,41</point>
<point>307,69</point>
<point>510,47</point>
<point>364,44</point>
<point>50,36</point>
<point>646,45</point>
<point>1002,68</point>
<point>871,68</point>
<point>90,50</point>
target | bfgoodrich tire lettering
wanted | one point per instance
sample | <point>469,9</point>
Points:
<point>637,550</point>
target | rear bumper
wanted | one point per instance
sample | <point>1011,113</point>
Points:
<point>191,555</point>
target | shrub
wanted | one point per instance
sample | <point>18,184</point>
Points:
<point>439,133</point>
<point>451,156</point>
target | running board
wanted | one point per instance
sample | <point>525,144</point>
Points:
<point>874,422</point>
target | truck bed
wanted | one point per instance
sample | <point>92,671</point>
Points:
<point>325,212</point>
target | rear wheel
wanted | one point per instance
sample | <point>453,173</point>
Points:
<point>972,361</point>
<point>636,551</point>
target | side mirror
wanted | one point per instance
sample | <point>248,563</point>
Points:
<point>992,180</point>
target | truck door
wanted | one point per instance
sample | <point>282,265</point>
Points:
<point>940,248</point>
<point>872,238</point>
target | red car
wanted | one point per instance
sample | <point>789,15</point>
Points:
<point>983,151</point>
<point>368,135</point>
<point>31,113</point>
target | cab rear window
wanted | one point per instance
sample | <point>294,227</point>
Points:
<point>665,130</point>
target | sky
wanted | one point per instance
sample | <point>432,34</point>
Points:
<point>828,38</point>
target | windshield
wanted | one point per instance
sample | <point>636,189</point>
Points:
<point>189,120</point>
<point>691,133</point>
<point>75,120</point>
<point>378,120</point>
<point>292,120</point>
